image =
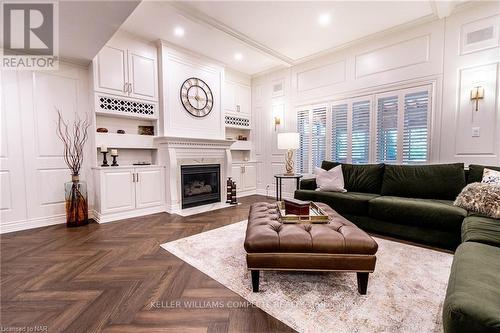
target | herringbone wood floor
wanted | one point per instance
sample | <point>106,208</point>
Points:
<point>115,278</point>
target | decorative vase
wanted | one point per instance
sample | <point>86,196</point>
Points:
<point>77,212</point>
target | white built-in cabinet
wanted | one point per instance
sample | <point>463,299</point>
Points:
<point>237,99</point>
<point>127,69</point>
<point>129,191</point>
<point>245,176</point>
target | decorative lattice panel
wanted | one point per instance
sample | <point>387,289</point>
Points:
<point>113,104</point>
<point>237,121</point>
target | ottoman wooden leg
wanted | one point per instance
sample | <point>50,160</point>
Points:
<point>255,280</point>
<point>362,282</point>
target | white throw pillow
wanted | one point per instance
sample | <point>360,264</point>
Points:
<point>331,180</point>
<point>491,177</point>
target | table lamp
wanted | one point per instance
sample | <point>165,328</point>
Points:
<point>289,141</point>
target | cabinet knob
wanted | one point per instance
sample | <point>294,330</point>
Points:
<point>238,108</point>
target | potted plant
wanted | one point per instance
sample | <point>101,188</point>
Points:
<point>74,138</point>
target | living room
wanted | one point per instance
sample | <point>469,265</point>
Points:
<point>250,166</point>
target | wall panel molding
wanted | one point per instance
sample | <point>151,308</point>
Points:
<point>403,54</point>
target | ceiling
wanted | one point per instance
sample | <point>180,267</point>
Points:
<point>271,33</point>
<point>85,26</point>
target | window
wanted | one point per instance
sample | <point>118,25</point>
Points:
<point>303,151</point>
<point>318,136</point>
<point>339,133</point>
<point>387,129</point>
<point>390,127</point>
<point>360,146</point>
<point>403,126</point>
<point>415,133</point>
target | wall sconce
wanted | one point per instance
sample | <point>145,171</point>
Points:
<point>476,94</point>
<point>278,112</point>
<point>277,122</point>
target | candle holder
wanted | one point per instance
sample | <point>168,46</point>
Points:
<point>104,160</point>
<point>114,160</point>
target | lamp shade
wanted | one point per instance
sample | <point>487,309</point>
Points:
<point>288,140</point>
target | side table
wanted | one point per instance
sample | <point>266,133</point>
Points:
<point>279,178</point>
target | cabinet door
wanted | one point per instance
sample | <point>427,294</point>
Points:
<point>243,103</point>
<point>110,69</point>
<point>150,187</point>
<point>230,97</point>
<point>250,177</point>
<point>118,190</point>
<point>142,76</point>
<point>236,174</point>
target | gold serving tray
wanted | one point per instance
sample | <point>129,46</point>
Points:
<point>316,215</point>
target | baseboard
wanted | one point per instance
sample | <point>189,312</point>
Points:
<point>105,218</point>
<point>284,195</point>
<point>38,222</point>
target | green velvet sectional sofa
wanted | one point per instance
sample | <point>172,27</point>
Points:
<point>415,203</point>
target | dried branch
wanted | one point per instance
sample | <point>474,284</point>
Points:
<point>73,141</point>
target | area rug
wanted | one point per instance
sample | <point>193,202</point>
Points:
<point>405,293</point>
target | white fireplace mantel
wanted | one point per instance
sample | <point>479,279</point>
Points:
<point>173,152</point>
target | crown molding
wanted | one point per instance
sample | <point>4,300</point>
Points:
<point>199,17</point>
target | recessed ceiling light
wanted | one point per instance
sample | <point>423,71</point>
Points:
<point>238,56</point>
<point>179,31</point>
<point>324,19</point>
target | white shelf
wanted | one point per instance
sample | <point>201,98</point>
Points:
<point>131,141</point>
<point>125,115</point>
<point>241,145</point>
<point>248,128</point>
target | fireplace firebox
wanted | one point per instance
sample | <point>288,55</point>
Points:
<point>200,184</point>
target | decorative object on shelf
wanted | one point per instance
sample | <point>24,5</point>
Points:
<point>104,152</point>
<point>114,154</point>
<point>196,97</point>
<point>289,141</point>
<point>120,131</point>
<point>229,187</point>
<point>75,192</point>
<point>234,200</point>
<point>476,94</point>
<point>146,130</point>
<point>141,163</point>
<point>242,138</point>
<point>102,130</point>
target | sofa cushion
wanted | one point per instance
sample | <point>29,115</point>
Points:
<point>472,300</point>
<point>344,203</point>
<point>476,172</point>
<point>427,213</point>
<point>482,230</point>
<point>308,184</point>
<point>365,178</point>
<point>439,181</point>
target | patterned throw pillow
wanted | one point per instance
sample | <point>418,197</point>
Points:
<point>480,198</point>
<point>491,177</point>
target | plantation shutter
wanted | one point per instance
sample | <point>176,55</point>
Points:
<point>387,129</point>
<point>339,133</point>
<point>318,136</point>
<point>415,132</point>
<point>360,132</point>
<point>304,133</point>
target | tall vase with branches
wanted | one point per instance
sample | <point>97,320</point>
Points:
<point>74,137</point>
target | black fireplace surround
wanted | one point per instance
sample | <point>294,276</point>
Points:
<point>200,184</point>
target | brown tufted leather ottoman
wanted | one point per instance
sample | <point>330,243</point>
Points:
<point>335,246</point>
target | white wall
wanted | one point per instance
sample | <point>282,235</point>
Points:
<point>32,171</point>
<point>427,54</point>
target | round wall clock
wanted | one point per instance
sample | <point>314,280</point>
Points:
<point>196,97</point>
